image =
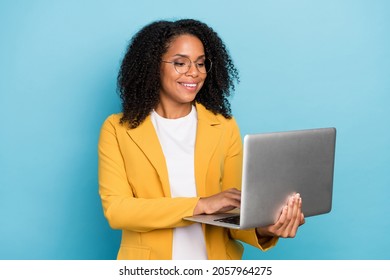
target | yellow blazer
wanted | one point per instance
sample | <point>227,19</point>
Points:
<point>135,192</point>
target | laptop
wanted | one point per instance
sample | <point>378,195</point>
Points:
<point>275,166</point>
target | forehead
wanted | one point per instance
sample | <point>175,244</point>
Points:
<point>185,45</point>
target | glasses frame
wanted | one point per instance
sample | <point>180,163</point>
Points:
<point>190,65</point>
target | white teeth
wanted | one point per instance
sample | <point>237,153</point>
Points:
<point>189,85</point>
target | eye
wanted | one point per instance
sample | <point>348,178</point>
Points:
<point>179,64</point>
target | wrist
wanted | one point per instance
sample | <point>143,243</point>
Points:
<point>262,232</point>
<point>199,207</point>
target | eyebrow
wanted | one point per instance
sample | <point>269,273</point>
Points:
<point>183,55</point>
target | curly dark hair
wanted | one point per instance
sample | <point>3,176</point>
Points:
<point>139,74</point>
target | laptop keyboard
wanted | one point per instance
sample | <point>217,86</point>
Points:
<point>230,220</point>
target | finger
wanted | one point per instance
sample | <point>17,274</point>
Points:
<point>297,221</point>
<point>294,216</point>
<point>285,229</point>
<point>232,194</point>
<point>279,226</point>
<point>302,216</point>
<point>233,191</point>
<point>231,201</point>
<point>302,219</point>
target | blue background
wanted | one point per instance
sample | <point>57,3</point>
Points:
<point>303,64</point>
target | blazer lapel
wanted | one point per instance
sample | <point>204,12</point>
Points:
<point>207,138</point>
<point>146,139</point>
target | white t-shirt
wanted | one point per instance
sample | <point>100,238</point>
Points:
<point>177,139</point>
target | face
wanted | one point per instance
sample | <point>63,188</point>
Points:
<point>181,89</point>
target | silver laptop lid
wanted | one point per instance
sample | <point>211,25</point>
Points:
<point>279,164</point>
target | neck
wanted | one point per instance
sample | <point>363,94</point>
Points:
<point>173,112</point>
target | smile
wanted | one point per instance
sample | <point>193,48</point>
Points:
<point>189,85</point>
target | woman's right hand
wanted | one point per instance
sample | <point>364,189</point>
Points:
<point>220,202</point>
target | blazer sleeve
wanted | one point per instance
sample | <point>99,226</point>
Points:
<point>122,208</point>
<point>232,177</point>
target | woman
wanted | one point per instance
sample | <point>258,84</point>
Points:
<point>176,150</point>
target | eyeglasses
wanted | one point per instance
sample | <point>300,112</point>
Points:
<point>183,64</point>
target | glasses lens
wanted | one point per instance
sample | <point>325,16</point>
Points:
<point>204,66</point>
<point>182,65</point>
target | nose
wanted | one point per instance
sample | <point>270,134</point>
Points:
<point>193,71</point>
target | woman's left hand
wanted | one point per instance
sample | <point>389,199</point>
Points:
<point>289,220</point>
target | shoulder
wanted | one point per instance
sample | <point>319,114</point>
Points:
<point>113,120</point>
<point>214,119</point>
<point>112,124</point>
